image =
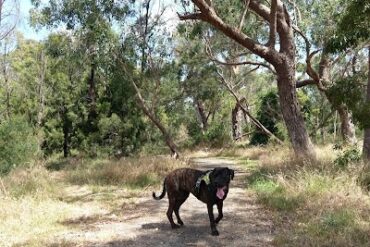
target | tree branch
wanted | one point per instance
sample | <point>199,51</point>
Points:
<point>246,111</point>
<point>242,17</point>
<point>191,16</point>
<point>303,83</point>
<point>209,15</point>
<point>309,70</point>
<point>243,63</point>
<point>273,16</point>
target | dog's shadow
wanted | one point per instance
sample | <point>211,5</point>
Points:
<point>155,226</point>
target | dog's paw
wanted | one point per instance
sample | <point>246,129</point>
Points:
<point>215,233</point>
<point>180,223</point>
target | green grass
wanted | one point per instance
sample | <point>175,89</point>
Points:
<point>275,196</point>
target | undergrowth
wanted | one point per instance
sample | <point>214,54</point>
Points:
<point>320,203</point>
<point>51,198</point>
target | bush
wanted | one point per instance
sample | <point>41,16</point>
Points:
<point>216,134</point>
<point>18,145</point>
<point>269,115</point>
<point>348,156</point>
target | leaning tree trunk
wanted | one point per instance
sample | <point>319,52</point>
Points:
<point>291,112</point>
<point>166,136</point>
<point>151,115</point>
<point>366,147</point>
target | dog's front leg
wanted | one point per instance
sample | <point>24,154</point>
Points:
<point>212,220</point>
<point>219,208</point>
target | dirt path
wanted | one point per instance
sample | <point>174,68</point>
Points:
<point>145,224</point>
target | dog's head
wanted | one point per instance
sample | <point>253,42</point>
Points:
<point>220,178</point>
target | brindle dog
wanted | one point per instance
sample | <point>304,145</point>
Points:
<point>179,183</point>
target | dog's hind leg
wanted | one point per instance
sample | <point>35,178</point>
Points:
<point>219,208</point>
<point>171,206</point>
<point>179,201</point>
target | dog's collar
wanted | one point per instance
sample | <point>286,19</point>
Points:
<point>204,177</point>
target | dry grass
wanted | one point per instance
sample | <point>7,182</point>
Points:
<point>131,172</point>
<point>316,203</point>
<point>39,205</point>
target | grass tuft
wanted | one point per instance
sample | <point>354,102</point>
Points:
<point>129,172</point>
<point>275,196</point>
<point>317,203</point>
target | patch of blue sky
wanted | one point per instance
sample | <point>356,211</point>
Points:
<point>24,25</point>
<point>169,17</point>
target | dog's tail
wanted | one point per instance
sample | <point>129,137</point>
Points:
<point>163,192</point>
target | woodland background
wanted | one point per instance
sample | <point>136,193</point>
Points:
<point>119,87</point>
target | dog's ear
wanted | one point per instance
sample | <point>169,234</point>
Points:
<point>231,171</point>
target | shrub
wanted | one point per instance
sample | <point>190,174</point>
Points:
<point>18,145</point>
<point>216,134</point>
<point>348,156</point>
<point>269,115</point>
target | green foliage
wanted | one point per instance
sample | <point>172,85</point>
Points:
<point>274,195</point>
<point>338,220</point>
<point>348,156</point>
<point>18,145</point>
<point>268,114</point>
<point>216,135</point>
<point>353,26</point>
<point>350,91</point>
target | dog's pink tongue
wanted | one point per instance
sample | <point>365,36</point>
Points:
<point>220,192</point>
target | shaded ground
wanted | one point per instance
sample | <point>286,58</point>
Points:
<point>143,222</point>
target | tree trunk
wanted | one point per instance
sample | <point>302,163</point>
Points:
<point>65,134</point>
<point>166,135</point>
<point>347,126</point>
<point>40,89</point>
<point>291,112</point>
<point>286,83</point>
<point>235,121</point>
<point>283,61</point>
<point>92,115</point>
<point>202,116</point>
<point>366,147</point>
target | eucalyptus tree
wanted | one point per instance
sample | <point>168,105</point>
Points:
<point>91,21</point>
<point>9,15</point>
<point>353,32</point>
<point>65,106</point>
<point>198,78</point>
<point>324,71</point>
<point>146,60</point>
<point>29,65</point>
<point>278,49</point>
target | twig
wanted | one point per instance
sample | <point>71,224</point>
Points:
<point>3,187</point>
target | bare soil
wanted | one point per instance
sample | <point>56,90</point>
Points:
<point>142,222</point>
